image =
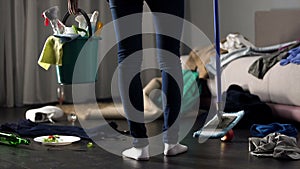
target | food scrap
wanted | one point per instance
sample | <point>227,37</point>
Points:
<point>52,139</point>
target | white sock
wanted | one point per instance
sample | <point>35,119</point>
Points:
<point>137,153</point>
<point>174,149</point>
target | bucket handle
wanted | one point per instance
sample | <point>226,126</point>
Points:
<point>85,17</point>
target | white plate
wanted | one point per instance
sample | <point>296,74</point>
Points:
<point>62,140</point>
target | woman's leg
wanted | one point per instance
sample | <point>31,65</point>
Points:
<point>130,85</point>
<point>169,61</point>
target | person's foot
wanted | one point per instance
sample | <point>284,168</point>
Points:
<point>174,149</point>
<point>137,153</point>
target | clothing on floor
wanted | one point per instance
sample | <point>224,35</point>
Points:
<point>256,111</point>
<point>275,145</point>
<point>261,66</point>
<point>259,130</point>
<point>293,57</point>
<point>26,128</point>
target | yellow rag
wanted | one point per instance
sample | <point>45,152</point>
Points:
<point>51,53</point>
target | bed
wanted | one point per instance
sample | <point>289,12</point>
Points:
<point>280,87</point>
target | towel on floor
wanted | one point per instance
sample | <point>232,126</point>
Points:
<point>275,145</point>
<point>52,53</point>
<point>259,130</point>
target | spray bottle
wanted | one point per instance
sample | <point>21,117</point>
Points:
<point>51,16</point>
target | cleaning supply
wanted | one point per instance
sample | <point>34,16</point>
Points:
<point>51,16</point>
<point>82,24</point>
<point>98,28</point>
<point>222,122</point>
<point>79,69</point>
<point>93,20</point>
<point>52,52</point>
<point>78,30</point>
<point>70,30</point>
<point>81,21</point>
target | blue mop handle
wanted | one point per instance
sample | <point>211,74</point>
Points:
<point>217,44</point>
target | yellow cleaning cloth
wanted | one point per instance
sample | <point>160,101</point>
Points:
<point>51,53</point>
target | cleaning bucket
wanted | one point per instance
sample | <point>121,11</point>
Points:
<point>80,58</point>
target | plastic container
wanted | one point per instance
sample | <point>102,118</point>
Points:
<point>80,58</point>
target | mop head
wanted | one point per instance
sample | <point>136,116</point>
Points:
<point>216,128</point>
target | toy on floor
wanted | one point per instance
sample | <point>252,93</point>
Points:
<point>228,136</point>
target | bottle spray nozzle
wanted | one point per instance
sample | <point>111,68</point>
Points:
<point>51,15</point>
<point>46,21</point>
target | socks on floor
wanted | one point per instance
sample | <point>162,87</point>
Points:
<point>137,153</point>
<point>174,149</point>
<point>143,153</point>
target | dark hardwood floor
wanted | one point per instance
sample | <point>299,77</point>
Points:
<point>212,154</point>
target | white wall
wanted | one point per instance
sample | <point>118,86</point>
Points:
<point>235,15</point>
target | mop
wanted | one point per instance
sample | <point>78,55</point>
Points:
<point>222,122</point>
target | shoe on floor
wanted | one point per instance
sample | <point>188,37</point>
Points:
<point>137,153</point>
<point>174,149</point>
<point>44,114</point>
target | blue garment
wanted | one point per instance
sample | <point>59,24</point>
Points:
<point>258,130</point>
<point>293,57</point>
<point>27,128</point>
<point>129,37</point>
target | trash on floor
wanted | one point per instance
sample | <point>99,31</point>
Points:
<point>12,139</point>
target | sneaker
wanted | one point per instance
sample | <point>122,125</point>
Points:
<point>44,114</point>
<point>137,153</point>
